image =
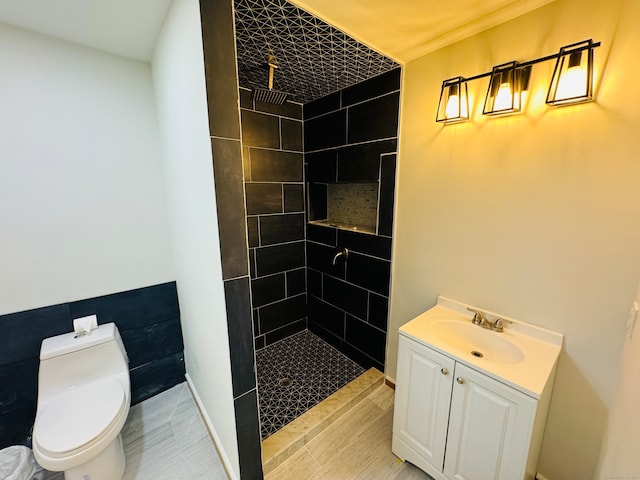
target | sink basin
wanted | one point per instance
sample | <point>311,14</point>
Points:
<point>477,341</point>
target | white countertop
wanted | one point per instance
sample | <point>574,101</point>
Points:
<point>527,372</point>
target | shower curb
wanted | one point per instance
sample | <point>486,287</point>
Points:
<point>289,439</point>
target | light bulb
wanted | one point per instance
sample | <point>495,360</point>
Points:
<point>504,98</point>
<point>572,83</point>
<point>452,109</point>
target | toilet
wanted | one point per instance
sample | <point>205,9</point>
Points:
<point>83,401</point>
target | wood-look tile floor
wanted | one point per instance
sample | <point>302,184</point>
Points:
<point>165,438</point>
<point>357,446</point>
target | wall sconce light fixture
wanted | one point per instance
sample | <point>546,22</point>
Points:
<point>454,101</point>
<point>507,84</point>
<point>572,82</point>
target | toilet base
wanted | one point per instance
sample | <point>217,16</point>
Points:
<point>108,465</point>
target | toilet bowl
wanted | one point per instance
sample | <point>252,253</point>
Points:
<point>83,401</point>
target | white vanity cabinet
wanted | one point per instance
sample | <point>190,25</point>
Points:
<point>458,421</point>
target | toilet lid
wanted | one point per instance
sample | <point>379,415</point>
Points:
<point>77,416</point>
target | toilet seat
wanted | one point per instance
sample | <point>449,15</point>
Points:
<point>79,417</point>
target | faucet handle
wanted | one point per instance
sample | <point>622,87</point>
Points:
<point>478,317</point>
<point>498,325</point>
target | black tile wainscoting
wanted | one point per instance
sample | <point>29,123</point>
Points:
<point>274,186</point>
<point>148,320</point>
<point>350,146</point>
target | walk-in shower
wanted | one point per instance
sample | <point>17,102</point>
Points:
<point>318,323</point>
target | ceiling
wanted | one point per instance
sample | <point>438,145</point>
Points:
<point>314,58</point>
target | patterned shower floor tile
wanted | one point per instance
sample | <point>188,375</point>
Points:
<point>296,374</point>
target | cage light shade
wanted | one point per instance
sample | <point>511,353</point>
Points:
<point>504,95</point>
<point>572,80</point>
<point>454,101</point>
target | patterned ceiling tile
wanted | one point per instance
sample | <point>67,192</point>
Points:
<point>314,59</point>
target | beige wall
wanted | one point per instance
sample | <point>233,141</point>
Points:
<point>535,215</point>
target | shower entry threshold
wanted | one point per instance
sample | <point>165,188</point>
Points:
<point>279,446</point>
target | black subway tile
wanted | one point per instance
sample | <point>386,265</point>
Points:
<point>368,272</point>
<point>260,129</point>
<point>246,98</point>
<point>263,198</point>
<point>19,382</point>
<point>248,431</point>
<point>361,163</point>
<point>268,289</point>
<point>291,133</point>
<point>317,201</point>
<point>387,192</point>
<point>252,231</point>
<point>229,189</point>
<point>327,316</point>
<point>286,331</point>
<point>281,228</point>
<point>371,88</point>
<point>319,330</point>
<point>275,166</point>
<point>326,131</point>
<point>322,234</point>
<point>378,311</point>
<point>296,282</point>
<point>240,327</point>
<point>360,357</point>
<point>374,119</point>
<point>284,312</point>
<point>218,39</point>
<point>322,105</point>
<point>314,282</point>
<point>287,109</point>
<point>365,243</point>
<point>345,296</point>
<point>322,166</point>
<point>293,198</point>
<point>319,257</point>
<point>278,258</point>
<point>366,338</point>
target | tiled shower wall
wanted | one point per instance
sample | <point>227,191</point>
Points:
<point>351,137</point>
<point>273,174</point>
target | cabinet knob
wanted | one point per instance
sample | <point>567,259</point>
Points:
<point>460,380</point>
<point>444,371</point>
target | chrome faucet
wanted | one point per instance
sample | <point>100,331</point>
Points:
<point>342,252</point>
<point>482,321</point>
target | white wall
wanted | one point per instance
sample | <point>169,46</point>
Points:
<point>81,194</point>
<point>621,444</point>
<point>178,75</point>
<point>533,215</point>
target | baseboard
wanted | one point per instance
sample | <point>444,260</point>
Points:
<point>212,431</point>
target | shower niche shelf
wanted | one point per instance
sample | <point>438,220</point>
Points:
<point>349,206</point>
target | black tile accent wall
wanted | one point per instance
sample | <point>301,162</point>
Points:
<point>274,186</point>
<point>348,303</point>
<point>387,194</point>
<point>248,431</point>
<point>148,320</point>
<point>227,172</point>
<point>236,230</point>
<point>374,119</point>
<point>325,131</point>
<point>240,324</point>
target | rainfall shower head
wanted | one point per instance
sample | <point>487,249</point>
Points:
<point>269,95</point>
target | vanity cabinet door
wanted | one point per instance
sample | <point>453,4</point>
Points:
<point>490,429</point>
<point>423,395</point>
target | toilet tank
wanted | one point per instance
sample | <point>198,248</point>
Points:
<point>72,359</point>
